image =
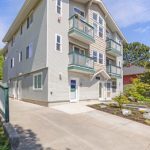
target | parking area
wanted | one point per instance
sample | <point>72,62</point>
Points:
<point>75,127</point>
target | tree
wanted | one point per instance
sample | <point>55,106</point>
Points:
<point>136,53</point>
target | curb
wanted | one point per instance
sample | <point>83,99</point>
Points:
<point>12,135</point>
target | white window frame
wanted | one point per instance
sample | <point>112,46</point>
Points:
<point>20,56</point>
<point>56,35</point>
<point>98,57</point>
<point>98,24</point>
<point>60,14</point>
<point>37,74</point>
<point>30,51</point>
<point>79,10</point>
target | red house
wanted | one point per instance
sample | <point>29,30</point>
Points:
<point>131,72</point>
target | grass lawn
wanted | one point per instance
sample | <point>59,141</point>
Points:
<point>4,144</point>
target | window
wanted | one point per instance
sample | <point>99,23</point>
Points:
<point>98,57</point>
<point>29,51</point>
<point>20,57</point>
<point>29,20</point>
<point>59,7</point>
<point>79,12</point>
<point>21,30</point>
<point>79,50</point>
<point>58,42</point>
<point>37,81</point>
<point>12,41</point>
<point>98,23</point>
<point>12,63</point>
<point>95,56</point>
<point>114,86</point>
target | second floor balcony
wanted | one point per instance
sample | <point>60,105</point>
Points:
<point>81,63</point>
<point>113,48</point>
<point>81,30</point>
<point>114,71</point>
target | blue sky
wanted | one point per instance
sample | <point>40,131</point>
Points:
<point>132,16</point>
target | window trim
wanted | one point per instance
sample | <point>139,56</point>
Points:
<point>28,20</point>
<point>98,24</point>
<point>59,43</point>
<point>60,7</point>
<point>12,62</point>
<point>29,45</point>
<point>20,57</point>
<point>80,10</point>
<point>97,61</point>
<point>34,75</point>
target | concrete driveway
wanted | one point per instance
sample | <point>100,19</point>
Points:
<point>55,128</point>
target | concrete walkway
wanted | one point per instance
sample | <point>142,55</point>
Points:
<point>43,128</point>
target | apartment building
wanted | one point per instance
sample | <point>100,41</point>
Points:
<point>63,51</point>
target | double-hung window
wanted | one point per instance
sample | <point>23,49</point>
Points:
<point>58,42</point>
<point>29,51</point>
<point>20,56</point>
<point>114,86</point>
<point>59,6</point>
<point>12,63</point>
<point>38,81</point>
<point>98,23</point>
<point>98,57</point>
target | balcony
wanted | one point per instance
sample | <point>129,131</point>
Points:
<point>81,63</point>
<point>113,48</point>
<point>81,30</point>
<point>114,71</point>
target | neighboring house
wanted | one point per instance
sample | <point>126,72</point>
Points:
<point>63,51</point>
<point>131,72</point>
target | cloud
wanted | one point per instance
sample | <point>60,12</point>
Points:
<point>129,12</point>
<point>142,29</point>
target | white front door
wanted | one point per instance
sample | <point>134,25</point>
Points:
<point>74,97</point>
<point>104,91</point>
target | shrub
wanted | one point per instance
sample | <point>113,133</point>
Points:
<point>122,99</point>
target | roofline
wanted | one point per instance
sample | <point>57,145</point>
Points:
<point>29,5</point>
<point>101,3</point>
<point>24,11</point>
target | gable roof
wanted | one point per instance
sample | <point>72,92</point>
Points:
<point>30,4</point>
<point>133,70</point>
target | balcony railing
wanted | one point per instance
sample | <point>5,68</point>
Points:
<point>114,71</point>
<point>113,48</point>
<point>84,30</point>
<point>81,62</point>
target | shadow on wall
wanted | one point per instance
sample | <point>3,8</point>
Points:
<point>29,140</point>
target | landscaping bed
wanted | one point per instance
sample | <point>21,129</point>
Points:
<point>113,109</point>
<point>4,143</point>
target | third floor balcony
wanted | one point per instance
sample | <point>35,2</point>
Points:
<point>81,30</point>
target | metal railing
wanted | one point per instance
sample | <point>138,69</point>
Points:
<point>76,22</point>
<point>111,44</point>
<point>4,102</point>
<point>114,70</point>
<point>80,60</point>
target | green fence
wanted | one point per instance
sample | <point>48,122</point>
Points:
<point>4,102</point>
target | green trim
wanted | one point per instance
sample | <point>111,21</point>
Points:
<point>90,38</point>
<point>113,51</point>
<point>82,68</point>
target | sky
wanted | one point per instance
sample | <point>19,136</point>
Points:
<point>132,16</point>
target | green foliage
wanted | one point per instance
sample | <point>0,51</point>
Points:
<point>4,144</point>
<point>139,90</point>
<point>145,77</point>
<point>122,99</point>
<point>136,53</point>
